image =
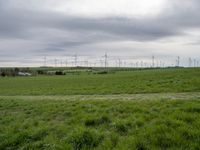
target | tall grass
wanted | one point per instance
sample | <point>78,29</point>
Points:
<point>99,124</point>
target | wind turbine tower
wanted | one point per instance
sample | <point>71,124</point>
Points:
<point>105,59</point>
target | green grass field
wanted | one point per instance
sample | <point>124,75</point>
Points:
<point>126,82</point>
<point>147,109</point>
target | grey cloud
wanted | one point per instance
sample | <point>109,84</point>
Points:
<point>19,23</point>
<point>51,31</point>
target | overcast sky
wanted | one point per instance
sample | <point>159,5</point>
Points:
<point>32,29</point>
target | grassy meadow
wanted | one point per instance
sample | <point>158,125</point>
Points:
<point>124,82</point>
<point>139,110</point>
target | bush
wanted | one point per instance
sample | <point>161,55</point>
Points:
<point>59,73</point>
<point>101,72</point>
<point>3,74</point>
<point>41,72</point>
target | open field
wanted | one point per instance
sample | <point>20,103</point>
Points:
<point>32,123</point>
<point>147,109</point>
<point>125,82</point>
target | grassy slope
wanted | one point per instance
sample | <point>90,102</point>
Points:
<point>146,81</point>
<point>141,121</point>
<point>100,124</point>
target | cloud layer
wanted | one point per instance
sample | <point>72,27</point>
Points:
<point>36,28</point>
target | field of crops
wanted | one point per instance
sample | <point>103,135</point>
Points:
<point>144,109</point>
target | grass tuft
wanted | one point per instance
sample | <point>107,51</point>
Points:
<point>84,139</point>
<point>97,121</point>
